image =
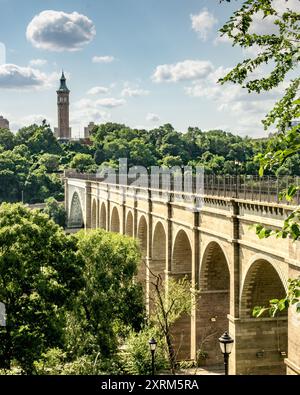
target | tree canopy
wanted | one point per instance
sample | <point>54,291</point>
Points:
<point>67,297</point>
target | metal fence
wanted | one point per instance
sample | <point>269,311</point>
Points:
<point>247,187</point>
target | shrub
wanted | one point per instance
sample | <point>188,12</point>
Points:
<point>136,356</point>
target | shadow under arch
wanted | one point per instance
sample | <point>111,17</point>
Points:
<point>103,216</point>
<point>142,234</point>
<point>75,220</point>
<point>129,224</point>
<point>94,215</point>
<point>213,303</point>
<point>115,221</point>
<point>181,266</point>
<point>159,243</point>
<point>264,354</point>
<point>181,255</point>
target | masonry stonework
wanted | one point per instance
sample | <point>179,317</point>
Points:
<point>216,248</point>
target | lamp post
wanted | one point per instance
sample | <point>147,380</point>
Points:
<point>226,343</point>
<point>237,165</point>
<point>152,344</point>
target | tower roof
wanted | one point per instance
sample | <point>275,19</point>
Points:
<point>63,87</point>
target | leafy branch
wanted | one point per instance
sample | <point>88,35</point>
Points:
<point>276,305</point>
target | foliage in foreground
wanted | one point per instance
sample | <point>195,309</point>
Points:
<point>292,299</point>
<point>67,297</point>
<point>169,302</point>
<point>39,275</point>
<point>109,299</point>
<point>56,211</point>
<point>280,50</point>
<point>136,356</point>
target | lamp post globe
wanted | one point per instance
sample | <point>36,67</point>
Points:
<point>226,344</point>
<point>152,344</point>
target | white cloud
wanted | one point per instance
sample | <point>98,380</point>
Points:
<point>134,92</point>
<point>281,6</point>
<point>34,118</point>
<point>37,62</point>
<point>103,59</point>
<point>203,23</point>
<point>59,31</point>
<point>2,53</point>
<point>110,102</point>
<point>107,102</point>
<point>263,26</point>
<point>151,117</point>
<point>266,25</point>
<point>96,90</point>
<point>247,110</point>
<point>85,111</point>
<point>254,51</point>
<point>19,123</point>
<point>17,77</point>
<point>182,71</point>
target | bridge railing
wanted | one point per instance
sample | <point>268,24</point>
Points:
<point>248,187</point>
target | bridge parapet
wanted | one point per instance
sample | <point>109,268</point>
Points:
<point>246,187</point>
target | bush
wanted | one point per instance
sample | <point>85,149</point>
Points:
<point>56,211</point>
<point>54,362</point>
<point>136,356</point>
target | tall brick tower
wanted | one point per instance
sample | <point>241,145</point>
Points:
<point>63,131</point>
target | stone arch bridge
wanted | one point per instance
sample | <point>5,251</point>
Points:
<point>216,248</point>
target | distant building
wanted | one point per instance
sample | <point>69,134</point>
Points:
<point>88,129</point>
<point>4,124</point>
<point>63,131</point>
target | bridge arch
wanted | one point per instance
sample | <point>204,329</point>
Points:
<point>182,254</point>
<point>103,216</point>
<point>214,285</point>
<point>261,257</point>
<point>115,220</point>
<point>94,214</point>
<point>76,214</point>
<point>214,271</point>
<point>262,282</point>
<point>159,245</point>
<point>129,224</point>
<point>181,266</point>
<point>143,234</point>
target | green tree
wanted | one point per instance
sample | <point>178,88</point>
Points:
<point>170,301</point>
<point>39,274</point>
<point>50,162</point>
<point>56,211</point>
<point>7,139</point>
<point>109,295</point>
<point>39,186</point>
<point>279,48</point>
<point>83,163</point>
<point>39,139</point>
<point>136,358</point>
<point>14,169</point>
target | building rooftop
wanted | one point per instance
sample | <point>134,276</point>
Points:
<point>63,86</point>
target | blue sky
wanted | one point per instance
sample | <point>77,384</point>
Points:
<point>139,62</point>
